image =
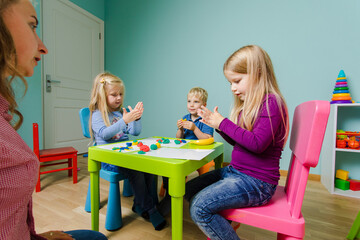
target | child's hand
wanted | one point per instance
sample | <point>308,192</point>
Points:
<point>189,125</point>
<point>132,115</point>
<point>213,119</point>
<point>179,124</point>
<point>139,106</point>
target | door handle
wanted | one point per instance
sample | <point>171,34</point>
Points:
<point>49,81</point>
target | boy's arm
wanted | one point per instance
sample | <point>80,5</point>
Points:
<point>180,133</point>
<point>201,135</point>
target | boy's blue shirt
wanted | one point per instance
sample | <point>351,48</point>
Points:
<point>188,134</point>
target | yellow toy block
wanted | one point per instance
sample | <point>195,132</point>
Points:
<point>342,174</point>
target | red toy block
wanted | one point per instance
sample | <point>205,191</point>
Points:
<point>354,184</point>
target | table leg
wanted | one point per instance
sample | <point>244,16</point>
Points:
<point>218,161</point>
<point>94,168</point>
<point>177,191</point>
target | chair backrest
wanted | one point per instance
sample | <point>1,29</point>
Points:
<point>36,139</point>
<point>84,114</point>
<point>307,134</point>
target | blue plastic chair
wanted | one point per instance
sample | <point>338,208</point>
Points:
<point>113,214</point>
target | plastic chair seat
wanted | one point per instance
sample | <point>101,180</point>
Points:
<point>69,154</point>
<point>275,216</point>
<point>57,152</point>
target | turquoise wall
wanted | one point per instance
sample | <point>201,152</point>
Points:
<point>162,48</point>
<point>95,7</point>
<point>30,105</point>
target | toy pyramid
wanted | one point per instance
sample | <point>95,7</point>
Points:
<point>341,92</point>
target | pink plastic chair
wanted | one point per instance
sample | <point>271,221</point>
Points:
<point>283,213</point>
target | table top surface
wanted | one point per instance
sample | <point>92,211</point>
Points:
<point>152,164</point>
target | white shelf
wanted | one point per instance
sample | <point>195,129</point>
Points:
<point>347,193</point>
<point>347,150</point>
<point>329,150</point>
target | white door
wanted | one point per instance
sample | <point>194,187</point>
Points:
<point>75,42</point>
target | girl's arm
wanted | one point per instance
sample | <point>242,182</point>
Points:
<point>106,133</point>
<point>226,137</point>
<point>134,116</point>
<point>134,128</point>
<point>259,139</point>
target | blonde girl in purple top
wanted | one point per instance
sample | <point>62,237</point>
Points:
<point>257,129</point>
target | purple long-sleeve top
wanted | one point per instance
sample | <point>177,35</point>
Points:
<point>257,153</point>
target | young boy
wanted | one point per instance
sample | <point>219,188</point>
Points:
<point>190,126</point>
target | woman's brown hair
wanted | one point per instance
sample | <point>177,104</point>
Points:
<point>8,62</point>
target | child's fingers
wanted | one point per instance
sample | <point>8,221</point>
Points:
<point>139,105</point>
<point>216,109</point>
<point>130,108</point>
<point>124,110</point>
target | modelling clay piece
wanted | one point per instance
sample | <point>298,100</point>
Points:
<point>144,148</point>
<point>140,144</point>
<point>184,141</point>
<point>177,141</point>
<point>158,145</point>
<point>128,144</point>
<point>141,152</point>
<point>115,148</point>
<point>153,147</point>
<point>166,141</point>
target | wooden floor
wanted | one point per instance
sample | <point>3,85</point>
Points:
<point>60,206</point>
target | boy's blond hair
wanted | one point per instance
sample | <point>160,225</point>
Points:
<point>199,92</point>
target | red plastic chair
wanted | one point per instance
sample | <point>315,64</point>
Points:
<point>283,213</point>
<point>53,154</point>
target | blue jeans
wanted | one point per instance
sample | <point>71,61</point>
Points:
<point>223,188</point>
<point>141,184</point>
<point>86,235</point>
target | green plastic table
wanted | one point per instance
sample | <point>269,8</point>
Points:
<point>175,169</point>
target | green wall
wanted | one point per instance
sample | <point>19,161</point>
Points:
<point>162,48</point>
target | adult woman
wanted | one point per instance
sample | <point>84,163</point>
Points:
<point>20,51</point>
